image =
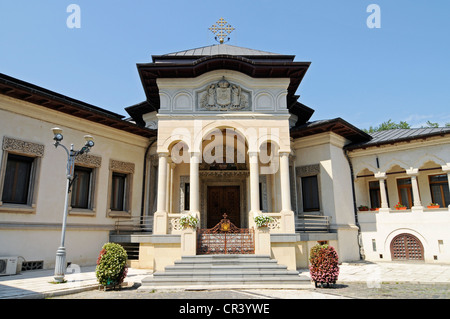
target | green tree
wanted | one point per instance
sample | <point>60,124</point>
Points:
<point>431,124</point>
<point>389,125</point>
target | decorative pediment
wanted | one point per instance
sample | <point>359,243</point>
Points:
<point>223,96</point>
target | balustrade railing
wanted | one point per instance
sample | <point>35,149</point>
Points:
<point>303,223</point>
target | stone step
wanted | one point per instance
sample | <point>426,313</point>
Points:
<point>225,260</point>
<point>238,271</point>
<point>209,267</point>
<point>227,274</point>
<point>227,283</point>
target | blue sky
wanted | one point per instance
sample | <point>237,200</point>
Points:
<point>400,71</point>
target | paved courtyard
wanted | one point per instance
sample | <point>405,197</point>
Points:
<point>356,280</point>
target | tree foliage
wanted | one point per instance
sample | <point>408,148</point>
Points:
<point>388,125</point>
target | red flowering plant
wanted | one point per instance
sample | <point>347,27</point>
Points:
<point>324,268</point>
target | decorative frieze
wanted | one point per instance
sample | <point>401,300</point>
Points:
<point>123,167</point>
<point>23,147</point>
<point>224,173</point>
<point>307,170</point>
<point>88,160</point>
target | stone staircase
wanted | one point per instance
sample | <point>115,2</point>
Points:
<point>225,272</point>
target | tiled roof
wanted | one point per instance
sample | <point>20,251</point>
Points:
<point>399,135</point>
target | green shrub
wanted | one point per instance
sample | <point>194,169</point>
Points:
<point>111,265</point>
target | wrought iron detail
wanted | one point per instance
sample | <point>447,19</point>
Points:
<point>225,238</point>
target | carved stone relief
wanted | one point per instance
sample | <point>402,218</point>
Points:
<point>307,170</point>
<point>23,147</point>
<point>124,167</point>
<point>88,160</point>
<point>223,96</point>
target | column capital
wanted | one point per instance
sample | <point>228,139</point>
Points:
<point>412,171</point>
<point>163,154</point>
<point>446,168</point>
<point>194,153</point>
<point>380,175</point>
<point>284,152</point>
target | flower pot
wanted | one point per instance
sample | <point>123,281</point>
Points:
<point>363,209</point>
<point>374,209</point>
<point>434,206</point>
<point>400,208</point>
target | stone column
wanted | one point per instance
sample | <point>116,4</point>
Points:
<point>288,221</point>
<point>285,183</point>
<point>381,176</point>
<point>194,184</point>
<point>254,184</point>
<point>160,216</point>
<point>446,168</point>
<point>417,205</point>
<point>170,188</point>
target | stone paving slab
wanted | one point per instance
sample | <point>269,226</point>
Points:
<point>37,283</point>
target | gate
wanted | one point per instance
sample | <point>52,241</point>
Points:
<point>406,247</point>
<point>225,238</point>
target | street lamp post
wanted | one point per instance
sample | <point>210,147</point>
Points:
<point>60,264</point>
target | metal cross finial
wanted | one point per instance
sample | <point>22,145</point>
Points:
<point>221,30</point>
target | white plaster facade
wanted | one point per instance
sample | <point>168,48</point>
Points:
<point>172,145</point>
<point>416,160</point>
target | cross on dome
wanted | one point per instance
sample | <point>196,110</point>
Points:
<point>221,30</point>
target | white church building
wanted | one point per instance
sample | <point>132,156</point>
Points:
<point>222,138</point>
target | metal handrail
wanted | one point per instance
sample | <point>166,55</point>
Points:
<point>312,223</point>
<point>134,224</point>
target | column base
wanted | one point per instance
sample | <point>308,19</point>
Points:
<point>288,220</point>
<point>384,210</point>
<point>188,242</point>
<point>160,223</point>
<point>262,241</point>
<point>417,209</point>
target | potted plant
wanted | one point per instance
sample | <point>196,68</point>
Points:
<point>262,220</point>
<point>400,206</point>
<point>373,209</point>
<point>433,205</point>
<point>363,208</point>
<point>324,268</point>
<point>188,220</point>
<point>111,267</point>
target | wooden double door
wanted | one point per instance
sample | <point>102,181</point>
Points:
<point>223,200</point>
